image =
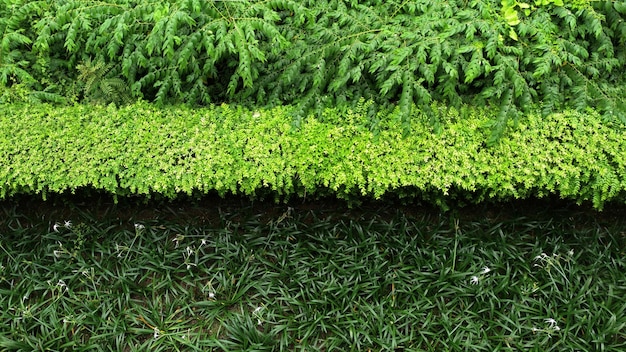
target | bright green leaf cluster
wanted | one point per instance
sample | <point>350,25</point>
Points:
<point>141,150</point>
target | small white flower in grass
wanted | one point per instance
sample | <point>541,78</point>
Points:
<point>556,328</point>
<point>84,272</point>
<point>57,254</point>
<point>551,322</point>
<point>56,227</point>
<point>485,270</point>
<point>203,242</point>
<point>570,252</point>
<point>156,333</point>
<point>118,250</point>
<point>62,284</point>
<point>474,280</point>
<point>256,312</point>
<point>534,329</point>
<point>177,240</point>
<point>189,251</point>
<point>68,224</point>
<point>211,295</point>
<point>139,226</point>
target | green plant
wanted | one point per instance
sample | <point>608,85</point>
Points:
<point>140,149</point>
<point>167,51</point>
<point>98,88</point>
<point>14,41</point>
<point>315,54</point>
<point>375,278</point>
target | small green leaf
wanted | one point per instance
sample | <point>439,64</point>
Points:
<point>510,16</point>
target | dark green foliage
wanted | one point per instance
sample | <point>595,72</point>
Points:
<point>14,42</point>
<point>166,50</point>
<point>235,275</point>
<point>142,150</point>
<point>98,88</point>
<point>314,54</point>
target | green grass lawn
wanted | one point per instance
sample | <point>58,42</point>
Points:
<point>305,279</point>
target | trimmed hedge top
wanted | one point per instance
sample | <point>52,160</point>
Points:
<point>141,150</point>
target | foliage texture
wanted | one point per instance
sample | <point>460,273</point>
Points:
<point>314,54</point>
<point>225,277</point>
<point>142,150</point>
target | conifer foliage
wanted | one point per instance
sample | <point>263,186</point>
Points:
<point>312,53</point>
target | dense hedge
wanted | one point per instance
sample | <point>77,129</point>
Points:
<point>142,150</point>
<point>318,53</point>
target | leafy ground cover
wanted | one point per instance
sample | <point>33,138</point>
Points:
<point>238,275</point>
<point>143,150</point>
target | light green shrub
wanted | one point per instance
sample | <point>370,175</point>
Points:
<point>143,150</point>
